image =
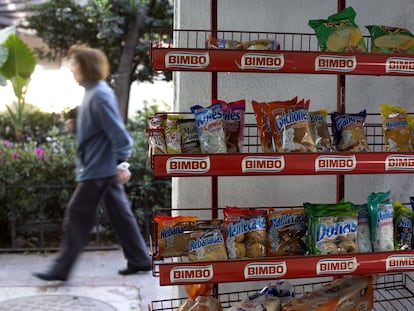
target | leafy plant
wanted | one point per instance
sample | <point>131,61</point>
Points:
<point>17,65</point>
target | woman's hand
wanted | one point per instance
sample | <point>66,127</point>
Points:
<point>124,175</point>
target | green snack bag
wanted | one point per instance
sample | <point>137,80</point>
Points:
<point>381,215</point>
<point>332,228</point>
<point>387,39</point>
<point>339,33</point>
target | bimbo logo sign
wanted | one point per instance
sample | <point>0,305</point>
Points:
<point>263,164</point>
<point>399,64</point>
<point>265,270</point>
<point>191,273</point>
<point>399,162</point>
<point>338,265</point>
<point>189,60</point>
<point>192,165</point>
<point>335,163</point>
<point>335,63</point>
<point>262,61</point>
<point>400,262</point>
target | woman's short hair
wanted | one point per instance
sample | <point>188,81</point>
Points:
<point>93,63</point>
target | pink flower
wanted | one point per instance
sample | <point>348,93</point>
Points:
<point>39,152</point>
<point>6,143</point>
<point>15,156</point>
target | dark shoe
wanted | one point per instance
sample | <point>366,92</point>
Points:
<point>132,270</point>
<point>48,276</point>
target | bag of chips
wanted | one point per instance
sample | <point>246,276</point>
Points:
<point>387,39</point>
<point>339,32</point>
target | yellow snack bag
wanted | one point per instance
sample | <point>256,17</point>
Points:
<point>395,128</point>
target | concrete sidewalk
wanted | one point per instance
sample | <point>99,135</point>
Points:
<point>94,284</point>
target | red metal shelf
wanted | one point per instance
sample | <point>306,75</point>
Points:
<point>254,164</point>
<point>187,50</point>
<point>261,269</point>
<point>282,62</point>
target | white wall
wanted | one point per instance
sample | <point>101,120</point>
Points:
<point>361,92</point>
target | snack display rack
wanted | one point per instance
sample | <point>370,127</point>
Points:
<point>189,50</point>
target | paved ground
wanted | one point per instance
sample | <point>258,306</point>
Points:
<point>94,284</point>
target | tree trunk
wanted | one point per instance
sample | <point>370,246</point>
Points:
<point>123,74</point>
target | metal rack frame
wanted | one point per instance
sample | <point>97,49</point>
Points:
<point>391,292</point>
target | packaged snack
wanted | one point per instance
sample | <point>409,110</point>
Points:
<point>233,115</point>
<point>364,229</point>
<point>410,120</point>
<point>263,126</point>
<point>173,134</point>
<point>245,232</point>
<point>339,32</point>
<point>206,242</point>
<point>260,44</point>
<point>381,213</point>
<point>348,131</point>
<point>348,293</point>
<point>320,131</point>
<point>388,39</point>
<point>395,128</point>
<point>265,300</point>
<point>215,43</point>
<point>403,226</point>
<point>332,228</point>
<point>156,142</point>
<point>210,128</point>
<point>189,136</point>
<point>200,299</point>
<point>286,232</point>
<point>289,123</point>
<point>157,121</point>
<point>171,239</point>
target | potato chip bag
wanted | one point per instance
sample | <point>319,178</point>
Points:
<point>348,131</point>
<point>339,33</point>
<point>395,128</point>
<point>387,39</point>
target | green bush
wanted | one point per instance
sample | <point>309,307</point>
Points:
<point>37,174</point>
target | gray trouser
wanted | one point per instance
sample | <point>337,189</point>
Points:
<point>80,217</point>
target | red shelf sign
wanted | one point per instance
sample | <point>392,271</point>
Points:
<point>282,164</point>
<point>290,267</point>
<point>281,62</point>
